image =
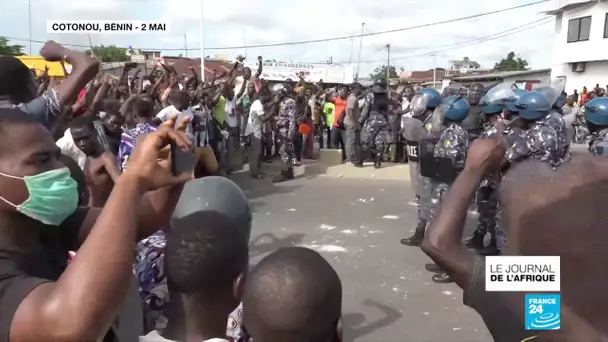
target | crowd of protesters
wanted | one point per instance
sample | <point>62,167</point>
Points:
<point>90,200</point>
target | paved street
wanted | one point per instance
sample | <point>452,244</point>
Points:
<point>357,225</point>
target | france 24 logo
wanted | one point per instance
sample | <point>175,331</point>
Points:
<point>543,311</point>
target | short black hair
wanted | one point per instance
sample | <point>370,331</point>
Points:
<point>205,253</point>
<point>9,116</point>
<point>142,107</point>
<point>83,122</point>
<point>14,76</point>
<point>293,294</point>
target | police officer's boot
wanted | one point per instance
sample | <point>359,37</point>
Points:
<point>442,278</point>
<point>416,239</point>
<point>476,240</point>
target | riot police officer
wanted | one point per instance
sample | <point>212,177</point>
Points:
<point>416,128</point>
<point>285,130</point>
<point>493,104</point>
<point>374,121</point>
<point>596,115</point>
<point>510,110</point>
<point>474,121</point>
<point>448,156</point>
<point>555,117</point>
<point>539,140</point>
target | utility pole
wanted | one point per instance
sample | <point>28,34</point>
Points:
<point>350,58</point>
<point>245,40</point>
<point>434,69</point>
<point>185,45</point>
<point>388,66</point>
<point>29,21</point>
<point>360,51</point>
<point>202,36</point>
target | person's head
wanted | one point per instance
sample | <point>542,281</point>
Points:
<point>33,181</point>
<point>19,84</point>
<point>541,205</point>
<point>293,294</point>
<point>596,114</point>
<point>356,89</point>
<point>143,109</point>
<point>179,99</point>
<point>206,261</point>
<point>475,93</point>
<point>575,92</point>
<point>229,93</point>
<point>113,122</point>
<point>533,105</point>
<point>343,92</point>
<point>246,73</point>
<point>84,135</point>
<point>265,95</point>
<point>584,89</point>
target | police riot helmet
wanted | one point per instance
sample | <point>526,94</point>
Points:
<point>214,194</point>
<point>476,91</point>
<point>596,111</point>
<point>426,99</point>
<point>379,86</point>
<point>495,100</point>
<point>533,105</point>
<point>455,108</point>
<point>511,104</point>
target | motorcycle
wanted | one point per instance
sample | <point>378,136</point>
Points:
<point>581,132</point>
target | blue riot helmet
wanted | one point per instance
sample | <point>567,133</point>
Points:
<point>455,108</point>
<point>596,112</point>
<point>533,105</point>
<point>511,104</point>
<point>426,99</point>
<point>495,101</point>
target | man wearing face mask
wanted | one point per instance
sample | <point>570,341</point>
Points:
<point>41,297</point>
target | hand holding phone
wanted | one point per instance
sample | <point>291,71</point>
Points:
<point>182,161</point>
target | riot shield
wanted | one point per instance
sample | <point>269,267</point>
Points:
<point>437,169</point>
<point>419,104</point>
<point>553,91</point>
<point>437,121</point>
<point>500,92</point>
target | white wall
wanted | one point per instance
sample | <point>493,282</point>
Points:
<point>595,72</point>
<point>543,78</point>
<point>594,49</point>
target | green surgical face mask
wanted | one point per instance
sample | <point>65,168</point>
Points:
<point>53,196</point>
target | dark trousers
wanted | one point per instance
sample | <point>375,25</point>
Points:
<point>337,140</point>
<point>298,145</point>
<point>267,143</point>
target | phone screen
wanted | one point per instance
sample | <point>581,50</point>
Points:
<point>182,161</point>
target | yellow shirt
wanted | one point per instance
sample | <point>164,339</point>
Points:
<point>219,110</point>
<point>329,110</point>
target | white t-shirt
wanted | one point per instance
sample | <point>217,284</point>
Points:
<point>231,119</point>
<point>68,148</point>
<point>167,112</point>
<point>254,123</point>
<point>154,336</point>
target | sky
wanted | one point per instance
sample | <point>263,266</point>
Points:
<point>253,22</point>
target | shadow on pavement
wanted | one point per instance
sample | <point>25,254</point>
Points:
<point>354,325</point>
<point>257,247</point>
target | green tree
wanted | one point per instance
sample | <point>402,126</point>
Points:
<point>511,63</point>
<point>380,72</point>
<point>109,53</point>
<point>10,50</point>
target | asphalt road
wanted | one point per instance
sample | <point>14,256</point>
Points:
<point>356,225</point>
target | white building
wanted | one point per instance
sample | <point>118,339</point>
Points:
<point>581,43</point>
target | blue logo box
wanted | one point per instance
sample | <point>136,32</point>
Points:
<point>543,311</point>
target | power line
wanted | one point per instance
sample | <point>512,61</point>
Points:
<point>478,40</point>
<point>322,40</point>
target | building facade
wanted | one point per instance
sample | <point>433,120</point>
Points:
<point>581,43</point>
<point>523,79</point>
